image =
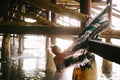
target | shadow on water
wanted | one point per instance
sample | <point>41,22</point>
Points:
<point>22,68</point>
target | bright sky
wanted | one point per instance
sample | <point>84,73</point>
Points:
<point>115,20</point>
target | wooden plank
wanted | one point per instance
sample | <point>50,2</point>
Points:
<point>68,2</point>
<point>109,33</point>
<point>39,19</point>
<point>113,13</point>
<point>105,50</point>
<point>58,9</point>
<point>45,30</point>
<point>21,23</point>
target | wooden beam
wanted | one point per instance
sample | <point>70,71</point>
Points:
<point>44,30</point>
<point>94,4</point>
<point>105,50</point>
<point>116,10</point>
<point>111,34</point>
<point>49,30</point>
<point>113,13</point>
<point>39,19</point>
<point>58,9</point>
<point>67,2</point>
<point>116,15</point>
<point>21,23</point>
<point>103,3</point>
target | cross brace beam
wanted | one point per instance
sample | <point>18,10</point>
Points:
<point>105,50</point>
<point>42,29</point>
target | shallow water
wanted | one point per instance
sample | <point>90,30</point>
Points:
<point>23,67</point>
<point>31,66</point>
<point>14,70</point>
<point>115,74</point>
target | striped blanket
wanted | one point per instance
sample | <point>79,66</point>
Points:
<point>91,31</point>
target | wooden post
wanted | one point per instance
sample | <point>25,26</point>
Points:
<point>20,65</point>
<point>50,66</point>
<point>5,54</point>
<point>13,45</point>
<point>53,39</point>
<point>6,70</point>
<point>53,15</point>
<point>21,8</point>
<point>20,45</point>
<point>107,65</point>
<point>85,7</point>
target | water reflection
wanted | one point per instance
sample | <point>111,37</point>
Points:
<point>24,67</point>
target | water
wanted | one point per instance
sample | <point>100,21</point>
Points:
<point>13,71</point>
<point>115,75</point>
<point>24,67</point>
<point>31,66</point>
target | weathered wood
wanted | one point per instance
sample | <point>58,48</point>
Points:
<point>116,15</point>
<point>76,4</point>
<point>5,52</point>
<point>45,30</point>
<point>95,4</point>
<point>58,9</point>
<point>102,3</point>
<point>50,66</point>
<point>49,30</point>
<point>105,50</point>
<point>39,19</point>
<point>5,47</point>
<point>69,2</point>
<point>85,7</point>
<point>53,15</point>
<point>111,34</point>
<point>5,70</point>
<point>116,10</point>
<point>21,23</point>
<point>20,45</point>
<point>113,13</point>
<point>106,67</point>
<point>96,0</point>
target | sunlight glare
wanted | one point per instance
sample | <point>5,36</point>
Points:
<point>63,44</point>
<point>30,20</point>
<point>29,64</point>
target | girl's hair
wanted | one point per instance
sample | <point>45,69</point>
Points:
<point>55,49</point>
